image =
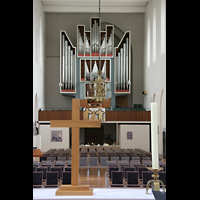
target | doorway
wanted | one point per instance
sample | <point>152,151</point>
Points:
<point>94,135</point>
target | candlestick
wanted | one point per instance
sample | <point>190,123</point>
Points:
<point>154,136</point>
<point>155,182</point>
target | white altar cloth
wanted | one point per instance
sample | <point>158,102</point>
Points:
<point>98,194</point>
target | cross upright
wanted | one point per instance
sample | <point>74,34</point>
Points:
<point>75,124</point>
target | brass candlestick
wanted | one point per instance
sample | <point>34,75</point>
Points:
<point>155,183</point>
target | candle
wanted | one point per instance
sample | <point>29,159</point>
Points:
<point>154,136</point>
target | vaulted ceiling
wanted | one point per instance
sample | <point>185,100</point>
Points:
<point>92,6</point>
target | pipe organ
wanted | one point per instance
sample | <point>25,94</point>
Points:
<point>67,65</point>
<point>95,51</point>
<point>122,64</point>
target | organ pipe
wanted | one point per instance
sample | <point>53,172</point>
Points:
<point>119,70</point>
<point>122,66</point>
<point>127,53</point>
<point>67,65</point>
<point>63,62</point>
<point>73,72</point>
<point>71,69</point>
<point>121,63</point>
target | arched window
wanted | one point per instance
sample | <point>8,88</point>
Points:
<point>154,35</point>
<point>148,44</point>
<point>163,25</point>
<point>41,44</point>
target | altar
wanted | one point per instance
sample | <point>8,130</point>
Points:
<point>98,194</point>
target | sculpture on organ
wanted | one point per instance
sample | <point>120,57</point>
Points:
<point>99,88</point>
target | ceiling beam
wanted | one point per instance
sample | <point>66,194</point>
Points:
<point>94,9</point>
<point>92,6</point>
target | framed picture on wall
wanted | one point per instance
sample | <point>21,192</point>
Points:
<point>56,136</point>
<point>129,135</point>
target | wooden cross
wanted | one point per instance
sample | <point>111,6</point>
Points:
<point>75,124</point>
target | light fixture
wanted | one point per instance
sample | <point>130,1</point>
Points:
<point>99,90</point>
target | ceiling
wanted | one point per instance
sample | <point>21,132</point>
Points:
<point>92,6</point>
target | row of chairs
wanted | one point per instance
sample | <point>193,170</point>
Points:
<point>52,178</point>
<point>133,180</point>
<point>135,175</point>
<point>100,155</point>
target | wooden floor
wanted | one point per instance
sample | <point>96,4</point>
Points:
<point>95,177</point>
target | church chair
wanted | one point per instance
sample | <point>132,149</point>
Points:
<point>136,158</point>
<point>127,168</point>
<point>117,179</point>
<point>135,162</point>
<point>164,168</point>
<point>52,179</point>
<point>68,169</point>
<point>83,154</point>
<point>108,166</point>
<point>68,163</point>
<point>141,169</point>
<point>147,162</point>
<point>121,162</point>
<point>43,158</point>
<point>132,179</point>
<point>137,166</point>
<point>59,170</point>
<point>44,170</point>
<point>146,176</point>
<point>145,158</point>
<point>124,165</point>
<point>36,163</point>
<point>47,166</point>
<point>62,159</point>
<point>59,162</point>
<point>111,162</point>
<point>66,180</point>
<point>52,159</point>
<point>93,161</point>
<point>47,162</point>
<point>83,161</point>
<point>125,158</point>
<point>62,166</point>
<point>115,158</point>
<point>161,163</point>
<point>37,179</point>
<point>103,161</point>
<point>162,177</point>
<point>112,169</point>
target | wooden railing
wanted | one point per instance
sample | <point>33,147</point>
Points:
<point>110,115</point>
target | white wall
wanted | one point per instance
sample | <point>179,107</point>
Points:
<point>46,144</point>
<point>155,73</point>
<point>37,141</point>
<point>38,57</point>
<point>140,136</point>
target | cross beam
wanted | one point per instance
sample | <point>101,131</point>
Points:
<point>75,124</point>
